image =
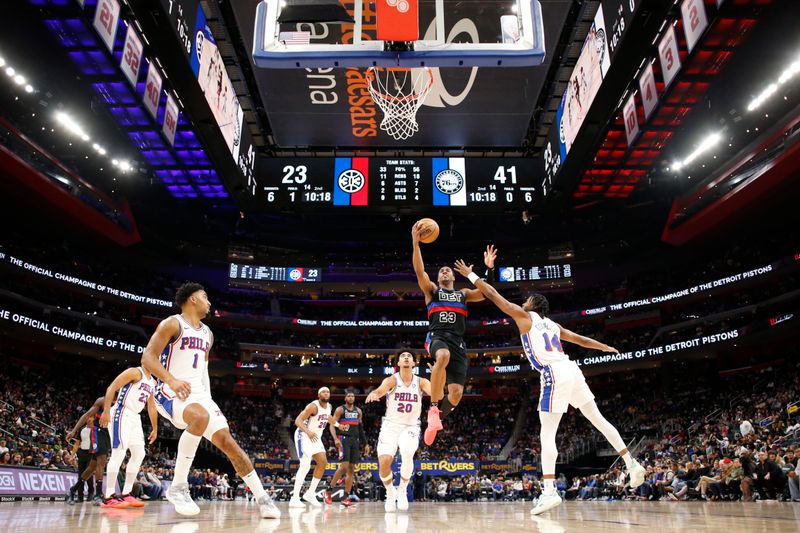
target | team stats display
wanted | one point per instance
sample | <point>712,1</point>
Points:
<point>273,273</point>
<point>534,273</point>
<point>398,182</point>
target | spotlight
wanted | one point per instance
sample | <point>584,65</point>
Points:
<point>19,79</point>
<point>29,88</point>
<point>10,72</point>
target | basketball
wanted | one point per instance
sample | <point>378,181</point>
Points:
<point>430,230</point>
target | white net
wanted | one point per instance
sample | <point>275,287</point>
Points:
<point>399,92</point>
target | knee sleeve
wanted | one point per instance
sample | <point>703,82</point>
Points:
<point>593,415</point>
<point>549,423</point>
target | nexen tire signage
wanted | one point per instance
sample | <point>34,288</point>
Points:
<point>465,107</point>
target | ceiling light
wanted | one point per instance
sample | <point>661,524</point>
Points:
<point>704,146</point>
<point>29,88</point>
<point>19,79</point>
<point>10,71</point>
<point>2,62</point>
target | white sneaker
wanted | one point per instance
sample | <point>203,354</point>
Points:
<point>295,503</point>
<point>391,500</point>
<point>267,507</point>
<point>311,498</point>
<point>546,502</point>
<point>179,496</point>
<point>637,473</point>
<point>402,500</point>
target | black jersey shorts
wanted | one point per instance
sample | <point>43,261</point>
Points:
<point>101,441</point>
<point>350,451</point>
<point>457,367</point>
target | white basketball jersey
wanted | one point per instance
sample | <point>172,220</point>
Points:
<point>316,423</point>
<point>542,344</point>
<point>404,402</point>
<point>186,357</point>
<point>133,396</point>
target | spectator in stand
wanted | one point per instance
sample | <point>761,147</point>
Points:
<point>3,447</point>
<point>5,458</point>
<point>794,482</point>
<point>498,490</point>
<point>769,478</point>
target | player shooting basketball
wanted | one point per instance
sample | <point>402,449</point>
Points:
<point>447,317</point>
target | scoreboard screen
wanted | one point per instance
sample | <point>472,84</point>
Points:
<point>273,273</point>
<point>398,182</point>
<point>534,273</point>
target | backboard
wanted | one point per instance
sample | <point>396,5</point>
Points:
<point>413,32</point>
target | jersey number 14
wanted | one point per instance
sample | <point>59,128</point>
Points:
<point>555,342</point>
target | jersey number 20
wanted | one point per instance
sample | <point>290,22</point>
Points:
<point>404,407</point>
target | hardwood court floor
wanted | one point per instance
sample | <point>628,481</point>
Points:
<point>56,517</point>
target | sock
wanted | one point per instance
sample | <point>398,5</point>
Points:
<point>549,485</point>
<point>98,486</point>
<point>137,456</point>
<point>254,482</point>
<point>446,408</point>
<point>628,460</point>
<point>403,487</point>
<point>313,487</point>
<point>187,447</point>
<point>300,477</point>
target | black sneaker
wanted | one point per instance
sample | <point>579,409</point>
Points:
<point>97,500</point>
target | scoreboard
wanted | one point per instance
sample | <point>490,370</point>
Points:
<point>534,273</point>
<point>398,182</point>
<point>273,273</point>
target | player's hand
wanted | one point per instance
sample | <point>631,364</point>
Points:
<point>462,268</point>
<point>416,232</point>
<point>153,436</point>
<point>70,435</point>
<point>182,389</point>
<point>312,436</point>
<point>610,349</point>
<point>105,419</point>
<point>489,256</point>
<point>371,397</point>
<point>344,428</point>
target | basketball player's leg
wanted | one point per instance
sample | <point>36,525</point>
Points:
<point>319,470</point>
<point>581,397</point>
<point>349,480</point>
<point>552,406</point>
<point>441,352</point>
<point>455,378</point>
<point>340,473</point>
<point>303,446</point>
<point>388,442</point>
<point>101,460</point>
<point>408,444</point>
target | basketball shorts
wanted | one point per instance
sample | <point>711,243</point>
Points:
<point>125,429</point>
<point>350,451</point>
<point>101,441</point>
<point>305,448</point>
<point>457,366</point>
<point>171,407</point>
<point>562,385</point>
<point>395,436</point>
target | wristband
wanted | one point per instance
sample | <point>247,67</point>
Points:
<point>473,277</point>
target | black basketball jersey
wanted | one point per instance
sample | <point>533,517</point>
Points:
<point>350,418</point>
<point>447,312</point>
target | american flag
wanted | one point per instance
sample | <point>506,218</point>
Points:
<point>295,37</point>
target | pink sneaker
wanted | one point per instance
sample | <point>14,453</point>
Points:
<point>114,503</point>
<point>434,425</point>
<point>131,501</point>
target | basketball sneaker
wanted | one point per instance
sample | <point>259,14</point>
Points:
<point>97,500</point>
<point>114,502</point>
<point>131,501</point>
<point>72,497</point>
<point>347,503</point>
<point>434,425</point>
<point>179,496</point>
<point>391,500</point>
<point>295,503</point>
<point>637,473</point>
<point>311,498</point>
<point>267,507</point>
<point>328,498</point>
<point>402,500</point>
<point>546,502</point>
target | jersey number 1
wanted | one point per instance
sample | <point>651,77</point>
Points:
<point>194,365</point>
<point>550,344</point>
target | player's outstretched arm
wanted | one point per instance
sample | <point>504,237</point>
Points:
<point>489,256</point>
<point>98,403</point>
<point>125,377</point>
<point>423,280</point>
<point>425,385</point>
<point>513,310</point>
<point>386,385</point>
<point>586,342</point>
<point>168,330</point>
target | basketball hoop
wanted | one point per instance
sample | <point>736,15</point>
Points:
<point>399,92</point>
